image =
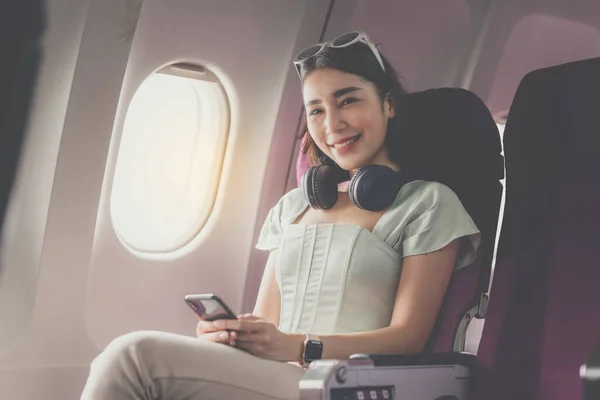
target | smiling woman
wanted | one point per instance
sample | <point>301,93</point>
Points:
<point>349,124</point>
<point>356,268</point>
<point>358,79</point>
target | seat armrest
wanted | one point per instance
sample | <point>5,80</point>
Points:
<point>394,377</point>
<point>448,358</point>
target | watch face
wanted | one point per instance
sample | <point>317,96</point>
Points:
<point>314,350</point>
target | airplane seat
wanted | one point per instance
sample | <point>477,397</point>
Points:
<point>448,136</point>
<point>543,321</point>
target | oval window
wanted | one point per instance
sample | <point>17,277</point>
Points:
<point>170,159</point>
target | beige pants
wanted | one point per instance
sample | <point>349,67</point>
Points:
<point>165,366</point>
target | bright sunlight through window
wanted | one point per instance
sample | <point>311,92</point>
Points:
<point>170,159</point>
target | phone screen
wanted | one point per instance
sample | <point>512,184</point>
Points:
<point>210,309</point>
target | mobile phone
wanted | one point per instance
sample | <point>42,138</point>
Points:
<point>209,307</point>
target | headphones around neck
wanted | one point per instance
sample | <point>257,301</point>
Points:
<point>372,188</point>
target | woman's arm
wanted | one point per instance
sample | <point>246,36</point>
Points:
<point>268,302</point>
<point>422,287</point>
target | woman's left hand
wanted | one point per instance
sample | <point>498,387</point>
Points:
<point>262,339</point>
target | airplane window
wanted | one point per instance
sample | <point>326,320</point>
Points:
<point>170,159</point>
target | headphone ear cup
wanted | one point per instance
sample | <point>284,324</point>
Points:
<point>320,187</point>
<point>374,188</point>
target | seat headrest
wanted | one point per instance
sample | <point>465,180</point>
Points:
<point>450,130</point>
<point>450,136</point>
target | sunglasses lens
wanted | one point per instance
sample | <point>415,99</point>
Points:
<point>346,39</point>
<point>309,52</point>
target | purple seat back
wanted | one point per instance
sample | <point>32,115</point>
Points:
<point>543,320</point>
<point>450,137</point>
<point>459,299</point>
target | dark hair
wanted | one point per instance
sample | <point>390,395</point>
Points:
<point>358,60</point>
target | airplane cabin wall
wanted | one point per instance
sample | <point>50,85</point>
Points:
<point>69,284</point>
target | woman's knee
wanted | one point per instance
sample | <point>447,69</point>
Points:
<point>139,341</point>
<point>122,369</point>
<point>131,348</point>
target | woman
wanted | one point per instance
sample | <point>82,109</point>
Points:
<point>332,283</point>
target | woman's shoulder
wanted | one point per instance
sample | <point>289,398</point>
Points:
<point>293,196</point>
<point>426,194</point>
<point>285,212</point>
<point>419,204</point>
<point>291,205</point>
<point>427,216</point>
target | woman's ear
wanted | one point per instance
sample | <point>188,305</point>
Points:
<point>389,106</point>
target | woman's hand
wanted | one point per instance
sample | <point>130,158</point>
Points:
<point>207,330</point>
<point>263,339</point>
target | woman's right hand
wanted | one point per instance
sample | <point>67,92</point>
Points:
<point>206,330</point>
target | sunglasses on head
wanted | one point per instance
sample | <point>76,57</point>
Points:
<point>345,40</point>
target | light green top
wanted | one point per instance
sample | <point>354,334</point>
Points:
<point>340,278</point>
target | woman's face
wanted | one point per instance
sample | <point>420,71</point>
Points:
<point>346,118</point>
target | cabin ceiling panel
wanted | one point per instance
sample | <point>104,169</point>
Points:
<point>423,39</point>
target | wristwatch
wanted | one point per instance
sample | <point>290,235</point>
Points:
<point>313,349</point>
